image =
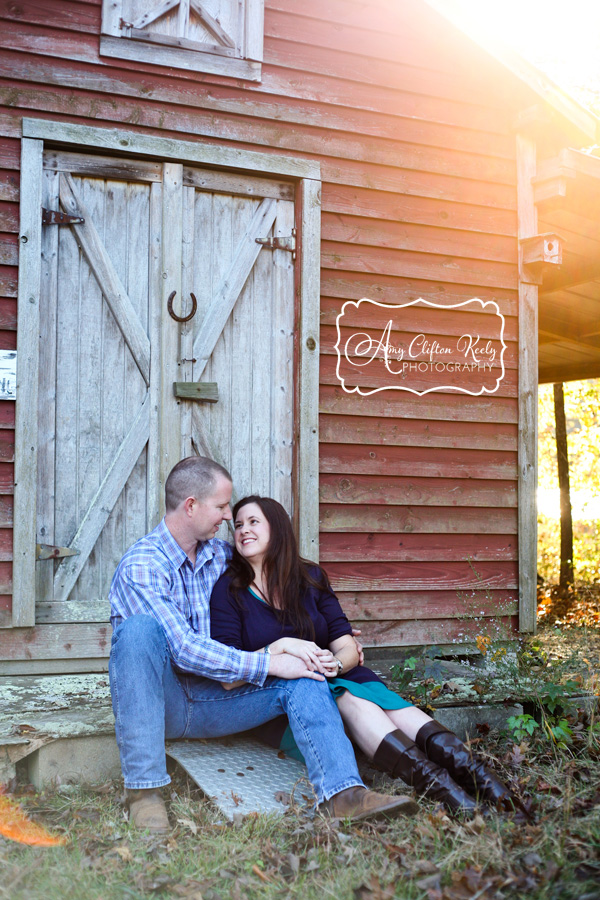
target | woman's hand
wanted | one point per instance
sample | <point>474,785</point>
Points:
<point>314,657</point>
<point>344,649</point>
<point>356,632</point>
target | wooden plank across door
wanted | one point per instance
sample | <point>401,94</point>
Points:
<point>106,276</point>
<point>231,284</point>
<point>103,503</point>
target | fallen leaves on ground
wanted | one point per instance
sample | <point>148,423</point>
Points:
<point>575,607</point>
<point>474,882</point>
<point>373,890</point>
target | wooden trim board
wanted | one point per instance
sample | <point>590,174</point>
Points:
<point>180,58</point>
<point>528,394</point>
<point>308,363</point>
<point>28,328</point>
<point>132,143</point>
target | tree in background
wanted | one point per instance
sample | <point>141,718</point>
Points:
<point>566,518</point>
<point>582,419</point>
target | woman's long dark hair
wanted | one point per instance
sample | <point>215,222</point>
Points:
<point>287,575</point>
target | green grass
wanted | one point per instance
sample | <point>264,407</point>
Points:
<point>556,855</point>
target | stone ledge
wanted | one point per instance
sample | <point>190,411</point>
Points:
<point>82,760</point>
<point>463,720</point>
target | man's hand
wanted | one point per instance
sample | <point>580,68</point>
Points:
<point>311,654</point>
<point>286,666</point>
<point>361,656</point>
<point>230,685</point>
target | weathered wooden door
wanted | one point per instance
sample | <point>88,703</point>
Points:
<point>241,338</point>
<point>117,407</point>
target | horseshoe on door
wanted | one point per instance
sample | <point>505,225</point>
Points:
<point>174,314</point>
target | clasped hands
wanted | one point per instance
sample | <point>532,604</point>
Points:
<point>309,660</point>
<point>294,658</point>
<point>314,657</point>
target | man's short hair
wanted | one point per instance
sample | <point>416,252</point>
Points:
<point>194,476</point>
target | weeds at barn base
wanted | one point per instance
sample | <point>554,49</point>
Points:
<point>556,856</point>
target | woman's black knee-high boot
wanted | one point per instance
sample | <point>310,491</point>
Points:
<point>401,758</point>
<point>443,747</point>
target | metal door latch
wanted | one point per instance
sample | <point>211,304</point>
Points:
<point>55,217</point>
<point>288,242</point>
<point>49,551</point>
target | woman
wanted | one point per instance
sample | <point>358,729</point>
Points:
<point>273,601</point>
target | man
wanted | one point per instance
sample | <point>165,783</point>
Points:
<point>165,669</point>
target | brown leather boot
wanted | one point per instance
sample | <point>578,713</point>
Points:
<point>358,803</point>
<point>401,758</point>
<point>443,747</point>
<point>147,810</point>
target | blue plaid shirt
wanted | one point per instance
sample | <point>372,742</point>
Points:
<point>156,578</point>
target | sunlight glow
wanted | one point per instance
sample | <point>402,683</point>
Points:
<point>562,40</point>
<point>584,507</point>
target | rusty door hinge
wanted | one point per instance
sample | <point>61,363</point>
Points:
<point>55,217</point>
<point>287,242</point>
<point>49,551</point>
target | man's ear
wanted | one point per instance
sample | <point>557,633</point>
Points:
<point>188,505</point>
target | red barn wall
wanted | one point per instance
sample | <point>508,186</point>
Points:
<point>412,127</point>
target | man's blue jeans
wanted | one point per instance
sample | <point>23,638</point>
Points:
<point>152,701</point>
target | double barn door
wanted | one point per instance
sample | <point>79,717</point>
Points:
<point>126,389</point>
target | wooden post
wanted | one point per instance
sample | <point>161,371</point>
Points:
<point>169,414</point>
<point>26,427</point>
<point>528,393</point>
<point>308,359</point>
<point>566,518</point>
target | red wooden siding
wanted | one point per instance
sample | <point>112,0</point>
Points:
<point>418,494</point>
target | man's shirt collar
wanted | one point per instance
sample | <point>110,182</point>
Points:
<point>177,555</point>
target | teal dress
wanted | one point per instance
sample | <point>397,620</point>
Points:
<point>252,624</point>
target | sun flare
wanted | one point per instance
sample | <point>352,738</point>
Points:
<point>565,46</point>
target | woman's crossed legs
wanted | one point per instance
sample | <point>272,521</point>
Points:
<point>368,724</point>
<point>411,745</point>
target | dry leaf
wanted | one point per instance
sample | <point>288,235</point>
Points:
<point>188,823</point>
<point>431,882</point>
<point>262,875</point>
<point>374,890</point>
<point>425,867</point>
<point>23,729</point>
<point>124,852</point>
<point>293,862</point>
<point>516,756</point>
<point>475,826</point>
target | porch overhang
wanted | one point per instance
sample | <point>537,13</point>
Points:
<point>567,197</point>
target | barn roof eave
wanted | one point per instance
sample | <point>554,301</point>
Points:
<point>584,121</point>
